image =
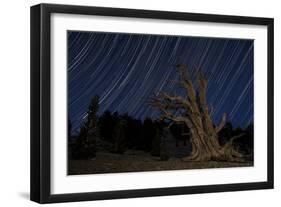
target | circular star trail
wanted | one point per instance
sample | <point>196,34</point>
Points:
<point>124,70</point>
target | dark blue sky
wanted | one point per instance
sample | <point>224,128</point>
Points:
<point>125,69</point>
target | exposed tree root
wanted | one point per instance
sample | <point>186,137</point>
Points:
<point>226,153</point>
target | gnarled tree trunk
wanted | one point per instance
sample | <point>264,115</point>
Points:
<point>194,112</point>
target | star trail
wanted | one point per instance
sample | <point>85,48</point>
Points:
<point>124,70</point>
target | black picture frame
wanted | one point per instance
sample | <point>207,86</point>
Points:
<point>40,102</point>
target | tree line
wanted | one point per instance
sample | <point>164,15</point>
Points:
<point>123,132</point>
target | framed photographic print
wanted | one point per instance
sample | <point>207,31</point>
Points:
<point>132,103</point>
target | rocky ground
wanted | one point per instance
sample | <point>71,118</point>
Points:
<point>136,161</point>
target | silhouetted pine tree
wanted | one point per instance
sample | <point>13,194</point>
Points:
<point>119,137</point>
<point>85,146</point>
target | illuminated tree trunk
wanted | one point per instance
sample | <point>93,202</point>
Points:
<point>192,109</point>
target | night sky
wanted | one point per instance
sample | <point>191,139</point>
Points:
<point>125,69</point>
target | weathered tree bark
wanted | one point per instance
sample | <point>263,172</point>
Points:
<point>192,109</point>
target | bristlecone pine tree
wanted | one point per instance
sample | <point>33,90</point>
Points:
<point>192,110</point>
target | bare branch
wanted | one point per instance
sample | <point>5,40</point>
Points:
<point>230,142</point>
<point>175,99</point>
<point>202,82</point>
<point>222,123</point>
<point>170,116</point>
<point>186,82</point>
<point>182,68</point>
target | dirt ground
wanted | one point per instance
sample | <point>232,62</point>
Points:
<point>137,161</point>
